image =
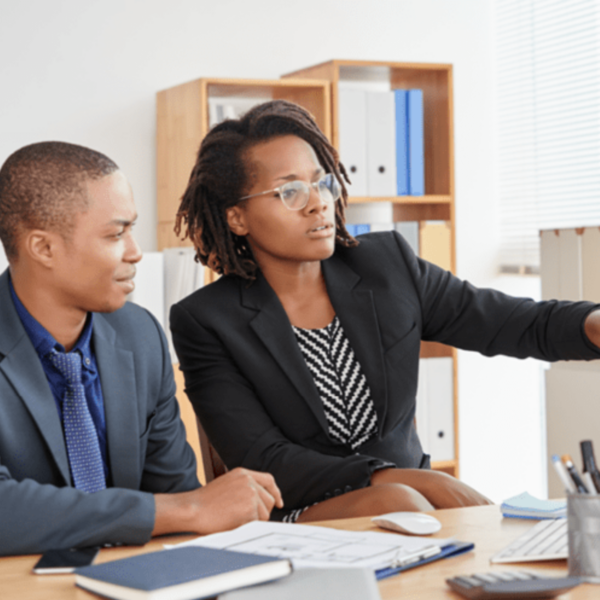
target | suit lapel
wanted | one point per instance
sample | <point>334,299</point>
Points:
<point>22,367</point>
<point>355,308</point>
<point>272,326</point>
<point>117,376</point>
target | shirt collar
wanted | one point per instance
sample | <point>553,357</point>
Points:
<point>43,342</point>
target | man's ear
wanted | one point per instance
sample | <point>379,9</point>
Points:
<point>40,246</point>
<point>236,220</point>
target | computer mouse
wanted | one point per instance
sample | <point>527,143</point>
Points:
<point>414,523</point>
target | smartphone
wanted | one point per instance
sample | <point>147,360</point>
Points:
<point>65,561</point>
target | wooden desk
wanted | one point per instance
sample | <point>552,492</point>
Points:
<point>483,525</point>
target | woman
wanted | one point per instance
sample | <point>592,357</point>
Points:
<point>302,359</point>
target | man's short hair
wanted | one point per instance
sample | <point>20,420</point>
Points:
<point>42,186</point>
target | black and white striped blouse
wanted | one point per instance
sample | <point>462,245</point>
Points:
<point>343,388</point>
<point>341,383</point>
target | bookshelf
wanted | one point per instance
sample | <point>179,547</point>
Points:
<point>437,244</point>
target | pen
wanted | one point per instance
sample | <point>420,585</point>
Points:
<point>563,475</point>
<point>566,459</point>
<point>589,482</point>
<point>589,463</point>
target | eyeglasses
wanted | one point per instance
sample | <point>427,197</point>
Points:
<point>295,194</point>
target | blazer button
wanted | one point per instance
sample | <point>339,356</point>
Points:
<point>337,492</point>
<point>347,489</point>
<point>327,495</point>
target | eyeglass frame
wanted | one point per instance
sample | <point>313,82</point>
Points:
<point>313,185</point>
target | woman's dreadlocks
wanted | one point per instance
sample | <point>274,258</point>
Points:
<point>220,177</point>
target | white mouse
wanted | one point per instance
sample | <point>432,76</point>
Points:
<point>408,522</point>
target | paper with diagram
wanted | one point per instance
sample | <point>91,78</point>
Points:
<point>312,546</point>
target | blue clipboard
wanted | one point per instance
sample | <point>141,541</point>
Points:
<point>449,550</point>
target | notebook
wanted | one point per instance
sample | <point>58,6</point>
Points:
<point>179,574</point>
<point>526,506</point>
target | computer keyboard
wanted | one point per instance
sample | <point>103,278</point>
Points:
<point>547,540</point>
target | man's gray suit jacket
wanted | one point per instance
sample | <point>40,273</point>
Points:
<point>147,448</point>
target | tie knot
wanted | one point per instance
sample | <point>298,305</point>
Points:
<point>69,365</point>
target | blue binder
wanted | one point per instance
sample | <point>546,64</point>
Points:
<point>401,142</point>
<point>416,156</point>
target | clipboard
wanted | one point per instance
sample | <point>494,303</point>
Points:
<point>450,550</point>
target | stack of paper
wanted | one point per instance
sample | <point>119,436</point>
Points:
<point>526,506</point>
<point>320,547</point>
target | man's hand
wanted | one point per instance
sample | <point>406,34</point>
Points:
<point>231,500</point>
<point>442,490</point>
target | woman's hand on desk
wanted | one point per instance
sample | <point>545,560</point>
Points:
<point>440,489</point>
<point>239,496</point>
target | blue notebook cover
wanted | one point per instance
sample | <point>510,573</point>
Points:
<point>401,142</point>
<point>189,565</point>
<point>363,228</point>
<point>416,148</point>
<point>351,229</point>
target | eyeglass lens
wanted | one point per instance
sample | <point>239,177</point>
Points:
<point>295,194</point>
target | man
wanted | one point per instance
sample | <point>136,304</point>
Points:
<point>92,449</point>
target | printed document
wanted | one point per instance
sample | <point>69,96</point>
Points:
<point>312,546</point>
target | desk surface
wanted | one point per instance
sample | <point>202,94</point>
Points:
<point>483,525</point>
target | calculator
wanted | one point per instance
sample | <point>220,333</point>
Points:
<point>510,584</point>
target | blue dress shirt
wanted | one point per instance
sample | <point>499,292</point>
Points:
<point>44,343</point>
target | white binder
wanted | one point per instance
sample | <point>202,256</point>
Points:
<point>409,230</point>
<point>182,277</point>
<point>549,264</point>
<point>439,411</point>
<point>569,265</point>
<point>422,409</point>
<point>389,226</point>
<point>370,212</point>
<point>149,285</point>
<point>353,138</point>
<point>590,257</point>
<point>381,144</point>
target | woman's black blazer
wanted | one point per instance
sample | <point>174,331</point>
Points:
<point>256,398</point>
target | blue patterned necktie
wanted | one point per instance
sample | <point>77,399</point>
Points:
<point>81,438</point>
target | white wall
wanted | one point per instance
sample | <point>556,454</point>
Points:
<point>87,72</point>
<point>502,414</point>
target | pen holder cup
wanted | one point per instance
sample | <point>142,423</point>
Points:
<point>583,513</point>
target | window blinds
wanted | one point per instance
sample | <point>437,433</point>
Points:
<point>548,121</point>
